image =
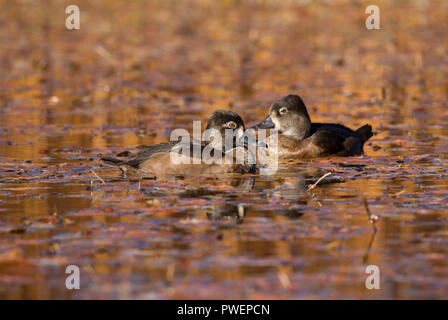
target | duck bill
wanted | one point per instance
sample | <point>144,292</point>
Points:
<point>266,123</point>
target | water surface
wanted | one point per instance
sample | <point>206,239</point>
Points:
<point>138,69</point>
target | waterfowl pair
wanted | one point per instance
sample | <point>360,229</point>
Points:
<point>187,158</point>
<point>299,138</point>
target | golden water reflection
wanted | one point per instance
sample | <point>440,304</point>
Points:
<point>138,69</point>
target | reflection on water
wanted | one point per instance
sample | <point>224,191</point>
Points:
<point>127,78</point>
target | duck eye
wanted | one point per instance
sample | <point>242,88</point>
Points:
<point>283,110</point>
<point>231,125</point>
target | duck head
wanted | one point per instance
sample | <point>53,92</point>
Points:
<point>230,128</point>
<point>289,116</point>
<point>226,124</point>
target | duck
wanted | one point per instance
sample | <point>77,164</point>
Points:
<point>299,138</point>
<point>187,158</point>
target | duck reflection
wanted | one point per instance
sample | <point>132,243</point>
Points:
<point>192,187</point>
<point>286,193</point>
<point>291,185</point>
<point>226,211</point>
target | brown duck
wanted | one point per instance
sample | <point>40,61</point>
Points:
<point>299,138</point>
<point>155,161</point>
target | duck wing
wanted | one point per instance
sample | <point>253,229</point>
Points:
<point>339,141</point>
<point>164,148</point>
<point>144,154</point>
<point>364,132</point>
<point>148,152</point>
<point>331,126</point>
<point>329,140</point>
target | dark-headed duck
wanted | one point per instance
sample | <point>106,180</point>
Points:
<point>157,160</point>
<point>299,138</point>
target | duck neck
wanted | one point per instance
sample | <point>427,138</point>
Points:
<point>301,131</point>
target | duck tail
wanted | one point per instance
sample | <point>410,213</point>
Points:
<point>111,160</point>
<point>365,132</point>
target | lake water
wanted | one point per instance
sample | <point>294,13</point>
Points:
<point>136,70</point>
